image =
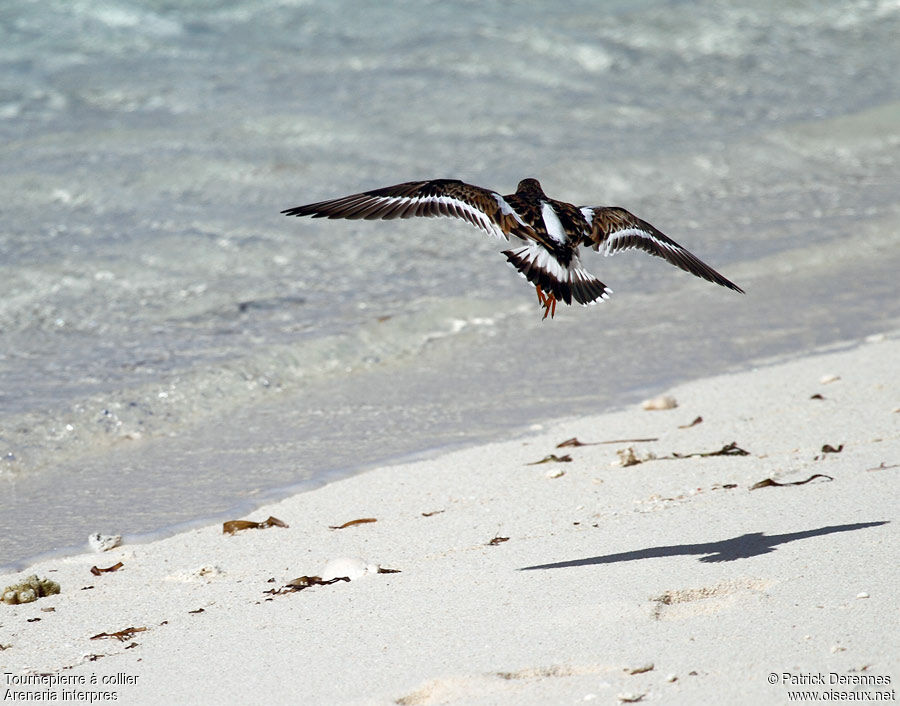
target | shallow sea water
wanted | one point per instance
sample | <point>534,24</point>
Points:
<point>173,349</point>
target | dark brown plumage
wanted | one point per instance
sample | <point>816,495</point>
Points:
<point>550,232</point>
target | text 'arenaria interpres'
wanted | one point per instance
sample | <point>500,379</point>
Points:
<point>549,232</point>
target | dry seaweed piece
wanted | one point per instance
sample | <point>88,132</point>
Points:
<point>883,466</point>
<point>360,521</point>
<point>572,442</point>
<point>115,567</point>
<point>697,420</point>
<point>233,526</point>
<point>497,540</point>
<point>432,513</point>
<point>640,670</point>
<point>301,582</point>
<point>552,458</point>
<point>731,449</point>
<point>199,610</point>
<point>29,590</point>
<point>829,449</point>
<point>816,396</point>
<point>769,481</point>
<point>121,636</point>
<point>575,442</point>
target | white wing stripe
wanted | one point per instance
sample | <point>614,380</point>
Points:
<point>455,206</point>
<point>551,221</point>
<point>613,241</point>
<point>507,210</point>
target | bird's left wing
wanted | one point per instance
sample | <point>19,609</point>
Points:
<point>614,229</point>
<point>483,208</point>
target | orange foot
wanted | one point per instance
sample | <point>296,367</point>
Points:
<point>548,301</point>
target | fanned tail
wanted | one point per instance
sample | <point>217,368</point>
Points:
<point>537,265</point>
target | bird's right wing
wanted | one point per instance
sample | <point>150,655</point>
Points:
<point>483,208</point>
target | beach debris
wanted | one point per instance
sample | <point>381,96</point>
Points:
<point>629,457</point>
<point>552,458</point>
<point>207,571</point>
<point>731,449</point>
<point>115,567</point>
<point>199,610</point>
<point>233,526</point>
<point>828,379</point>
<point>342,569</point>
<point>432,513</point>
<point>816,396</point>
<point>770,482</point>
<point>829,449</point>
<point>883,466</point>
<point>352,568</point>
<point>575,442</point>
<point>697,420</point>
<point>555,473</point>
<point>630,698</point>
<point>862,594</point>
<point>660,402</point>
<point>497,540</point>
<point>104,542</point>
<point>640,670</point>
<point>121,636</point>
<point>672,677</point>
<point>302,582</point>
<point>360,521</point>
<point>29,590</point>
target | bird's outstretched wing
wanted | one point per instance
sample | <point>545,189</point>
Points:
<point>483,208</point>
<point>614,229</point>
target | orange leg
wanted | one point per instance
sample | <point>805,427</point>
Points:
<point>547,301</point>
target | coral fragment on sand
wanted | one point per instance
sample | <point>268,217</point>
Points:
<point>29,590</point>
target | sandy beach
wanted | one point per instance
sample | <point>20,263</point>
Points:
<point>669,580</point>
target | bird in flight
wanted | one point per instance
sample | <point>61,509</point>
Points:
<point>547,233</point>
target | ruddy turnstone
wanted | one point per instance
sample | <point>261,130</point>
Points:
<point>548,232</point>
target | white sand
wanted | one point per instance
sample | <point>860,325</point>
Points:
<point>653,564</point>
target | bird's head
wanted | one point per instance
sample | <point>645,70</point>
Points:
<point>530,187</point>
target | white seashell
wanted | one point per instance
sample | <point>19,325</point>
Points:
<point>104,542</point>
<point>348,567</point>
<point>660,402</point>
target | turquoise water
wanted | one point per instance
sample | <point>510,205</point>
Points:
<point>171,348</point>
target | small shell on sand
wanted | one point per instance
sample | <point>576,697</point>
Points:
<point>348,567</point>
<point>555,473</point>
<point>829,378</point>
<point>660,402</point>
<point>630,457</point>
<point>104,542</point>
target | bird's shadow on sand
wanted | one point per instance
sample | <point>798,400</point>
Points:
<point>743,547</point>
